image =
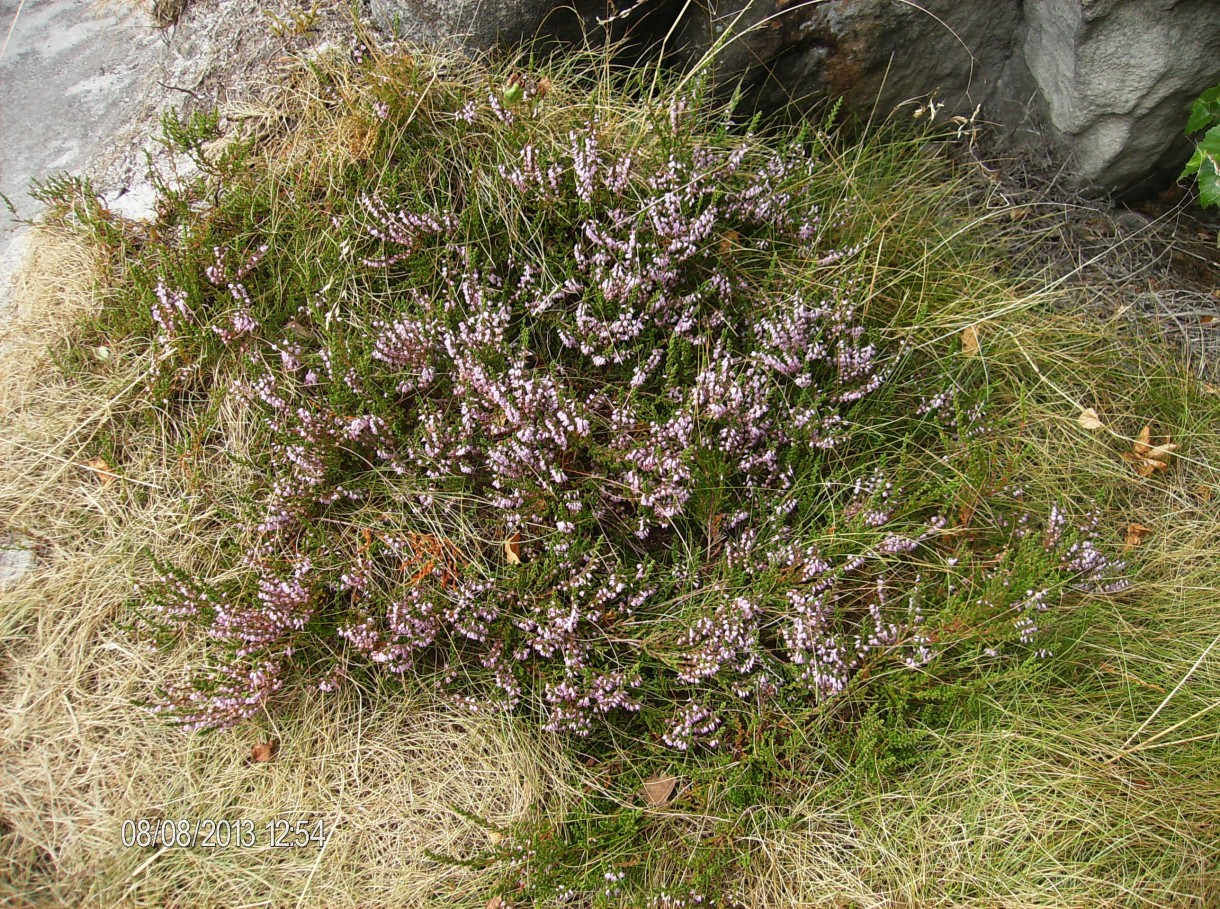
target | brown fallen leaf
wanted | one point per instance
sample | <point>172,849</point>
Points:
<point>1088,419</point>
<point>1020,213</point>
<point>1136,534</point>
<point>495,902</point>
<point>1147,458</point>
<point>970,341</point>
<point>1204,492</point>
<point>261,754</point>
<point>659,790</point>
<point>1163,451</point>
<point>1143,442</point>
<point>103,470</point>
<point>512,550</point>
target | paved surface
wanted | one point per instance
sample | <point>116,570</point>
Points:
<point>71,74</point>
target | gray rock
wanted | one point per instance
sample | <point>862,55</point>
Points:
<point>1117,78</point>
<point>70,77</point>
<point>875,54</point>
<point>16,558</point>
<point>484,24</point>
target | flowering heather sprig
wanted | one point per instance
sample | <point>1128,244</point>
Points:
<point>575,702</point>
<point>218,271</point>
<point>224,695</point>
<point>1092,570</point>
<point>502,113</point>
<point>169,312</point>
<point>728,638</point>
<point>692,899</point>
<point>401,228</point>
<point>586,163</point>
<point>528,174</point>
<point>176,598</point>
<point>695,724</point>
<point>282,607</point>
<point>241,322</point>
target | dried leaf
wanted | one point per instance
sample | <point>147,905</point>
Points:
<point>1088,419</point>
<point>970,341</point>
<point>261,754</point>
<point>1144,467</point>
<point>103,470</point>
<point>1204,492</point>
<point>1018,214</point>
<point>1147,458</point>
<point>1136,534</point>
<point>728,242</point>
<point>1143,440</point>
<point>544,86</point>
<point>1163,451</point>
<point>512,550</point>
<point>495,902</point>
<point>659,790</point>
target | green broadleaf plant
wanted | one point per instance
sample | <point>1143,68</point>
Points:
<point>1205,162</point>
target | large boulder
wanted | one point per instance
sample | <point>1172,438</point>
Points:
<point>484,24</point>
<point>1117,77</point>
<point>875,54</point>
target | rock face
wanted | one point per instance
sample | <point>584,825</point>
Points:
<point>483,24</point>
<point>1109,81</point>
<point>872,53</point>
<point>16,559</point>
<point>1117,79</point>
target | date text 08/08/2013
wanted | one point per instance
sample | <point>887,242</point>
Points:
<point>208,833</point>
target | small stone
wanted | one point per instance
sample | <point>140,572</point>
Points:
<point>16,559</point>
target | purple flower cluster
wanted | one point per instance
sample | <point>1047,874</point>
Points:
<point>170,314</point>
<point>222,695</point>
<point>694,724</point>
<point>401,228</point>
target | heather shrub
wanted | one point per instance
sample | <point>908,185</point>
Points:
<point>582,399</point>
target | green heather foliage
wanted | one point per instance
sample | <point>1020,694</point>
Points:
<point>595,415</point>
